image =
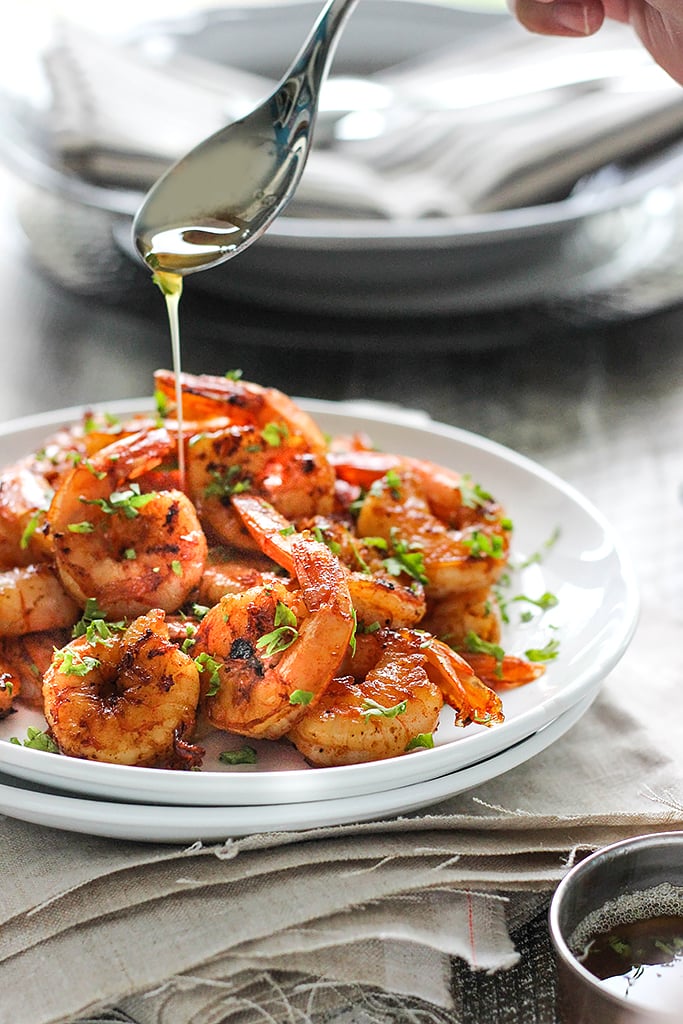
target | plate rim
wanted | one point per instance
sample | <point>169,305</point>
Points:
<point>177,829</point>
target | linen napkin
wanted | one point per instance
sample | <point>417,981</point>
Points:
<point>508,121</point>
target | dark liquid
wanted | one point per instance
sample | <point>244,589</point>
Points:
<point>641,961</point>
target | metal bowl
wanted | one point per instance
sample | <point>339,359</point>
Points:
<point>617,872</point>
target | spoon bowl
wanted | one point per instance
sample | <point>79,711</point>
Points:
<point>224,194</point>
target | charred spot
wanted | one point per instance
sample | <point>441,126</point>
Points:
<point>307,464</point>
<point>242,650</point>
<point>171,515</point>
<point>165,549</point>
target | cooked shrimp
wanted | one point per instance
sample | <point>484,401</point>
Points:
<point>377,596</point>
<point>506,672</point>
<point>206,398</point>
<point>385,702</point>
<point>269,652</point>
<point>23,660</point>
<point>453,559</point>
<point>272,462</point>
<point>24,498</point>
<point>232,573</point>
<point>129,549</point>
<point>388,698</point>
<point>127,698</point>
<point>32,599</point>
<point>451,618</point>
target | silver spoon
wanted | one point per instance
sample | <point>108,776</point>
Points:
<point>222,196</point>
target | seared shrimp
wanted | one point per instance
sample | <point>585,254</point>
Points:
<point>130,550</point>
<point>272,462</point>
<point>32,599</point>
<point>377,596</point>
<point>388,697</point>
<point>385,703</point>
<point>233,573</point>
<point>23,660</point>
<point>127,698</point>
<point>453,558</point>
<point>470,611</point>
<point>269,652</point>
<point>24,498</point>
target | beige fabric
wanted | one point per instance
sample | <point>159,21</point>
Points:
<point>386,904</point>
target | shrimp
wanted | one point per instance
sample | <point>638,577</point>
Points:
<point>506,672</point>
<point>126,698</point>
<point>468,555</point>
<point>23,660</point>
<point>388,699</point>
<point>231,573</point>
<point>33,599</point>
<point>24,498</point>
<point>129,549</point>
<point>268,652</point>
<point>377,596</point>
<point>272,462</point>
<point>455,616</point>
<point>382,704</point>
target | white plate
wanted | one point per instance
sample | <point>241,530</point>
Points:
<point>179,824</point>
<point>594,621</point>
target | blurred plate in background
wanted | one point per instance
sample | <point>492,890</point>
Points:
<point>477,169</point>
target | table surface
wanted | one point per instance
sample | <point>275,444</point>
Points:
<point>553,392</point>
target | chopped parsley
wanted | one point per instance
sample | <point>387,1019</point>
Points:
<point>284,633</point>
<point>36,739</point>
<point>370,708</point>
<point>275,433</point>
<point>547,653</point>
<point>406,558</point>
<point>245,755</point>
<point>227,482</point>
<point>205,663</point>
<point>423,739</point>
<point>128,501</point>
<point>301,697</point>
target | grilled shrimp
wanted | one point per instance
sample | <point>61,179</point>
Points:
<point>388,698</point>
<point>23,660</point>
<point>377,596</point>
<point>130,549</point>
<point>453,617</point>
<point>456,531</point>
<point>32,599</point>
<point>247,437</point>
<point>272,462</point>
<point>24,498</point>
<point>268,652</point>
<point>233,572</point>
<point>129,697</point>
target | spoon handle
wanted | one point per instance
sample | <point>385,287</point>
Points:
<point>302,82</point>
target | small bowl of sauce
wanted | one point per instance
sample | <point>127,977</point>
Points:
<point>616,924</point>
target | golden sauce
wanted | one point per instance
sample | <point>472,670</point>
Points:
<point>171,286</point>
<point>641,961</point>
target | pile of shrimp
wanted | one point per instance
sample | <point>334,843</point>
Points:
<point>288,586</point>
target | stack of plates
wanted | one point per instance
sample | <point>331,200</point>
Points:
<point>562,545</point>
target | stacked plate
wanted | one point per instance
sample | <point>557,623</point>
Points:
<point>562,546</point>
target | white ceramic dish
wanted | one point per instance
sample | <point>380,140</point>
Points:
<point>594,620</point>
<point>166,823</point>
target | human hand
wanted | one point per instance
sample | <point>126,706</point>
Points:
<point>658,23</point>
